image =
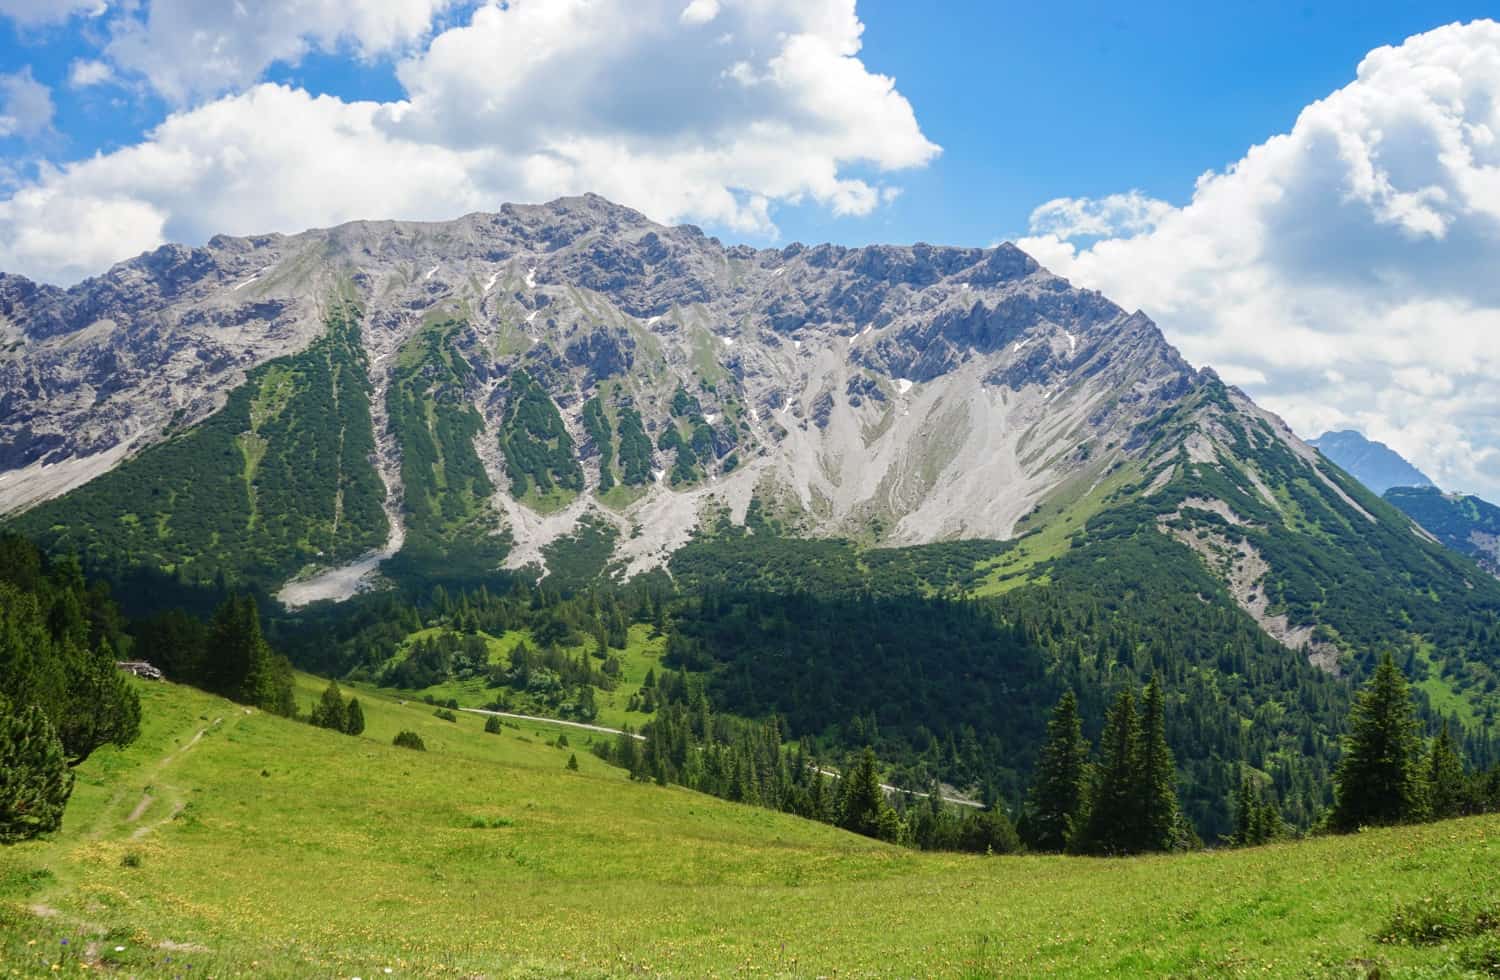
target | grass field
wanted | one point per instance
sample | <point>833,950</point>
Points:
<point>232,843</point>
<point>643,652</point>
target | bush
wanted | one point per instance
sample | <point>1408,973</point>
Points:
<point>409,740</point>
<point>445,714</point>
<point>1439,919</point>
<point>492,724</point>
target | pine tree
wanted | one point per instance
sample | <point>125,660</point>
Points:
<point>864,800</point>
<point>1112,795</point>
<point>1156,814</point>
<point>101,706</point>
<point>1447,784</point>
<point>492,724</point>
<point>354,718</point>
<point>330,712</point>
<point>35,781</point>
<point>1378,779</point>
<point>573,761</point>
<point>1057,795</point>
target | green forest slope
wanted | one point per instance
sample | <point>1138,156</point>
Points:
<point>484,855</point>
<point>277,479</point>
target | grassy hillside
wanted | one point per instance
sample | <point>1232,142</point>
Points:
<point>278,478</point>
<point>266,847</point>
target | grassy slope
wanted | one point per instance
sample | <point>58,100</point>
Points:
<point>306,853</point>
<point>642,653</point>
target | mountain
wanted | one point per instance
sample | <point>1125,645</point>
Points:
<point>573,386</point>
<point>1374,464</point>
<point>553,364</point>
<point>1463,522</point>
<point>894,494</point>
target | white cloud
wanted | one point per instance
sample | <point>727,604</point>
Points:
<point>1346,270</point>
<point>524,103</point>
<point>700,11</point>
<point>25,105</point>
<point>1130,213</point>
<point>84,73</point>
<point>188,49</point>
<point>49,11</point>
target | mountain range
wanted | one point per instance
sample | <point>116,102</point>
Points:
<point>1468,524</point>
<point>573,393</point>
<point>1374,464</point>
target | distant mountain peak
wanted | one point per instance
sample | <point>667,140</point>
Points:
<point>1374,464</point>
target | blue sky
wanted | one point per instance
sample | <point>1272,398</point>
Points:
<point>1337,261</point>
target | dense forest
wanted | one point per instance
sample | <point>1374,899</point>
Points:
<point>451,527</point>
<point>279,477</point>
<point>61,696</point>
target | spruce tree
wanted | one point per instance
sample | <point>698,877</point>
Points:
<point>35,781</point>
<point>1155,814</point>
<point>354,718</point>
<point>1378,779</point>
<point>1112,795</point>
<point>864,800</point>
<point>1057,795</point>
<point>330,712</point>
<point>1447,784</point>
<point>492,724</point>
<point>573,761</point>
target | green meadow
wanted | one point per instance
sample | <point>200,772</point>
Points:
<point>227,842</point>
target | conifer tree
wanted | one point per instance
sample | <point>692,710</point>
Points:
<point>1105,828</point>
<point>1156,817</point>
<point>864,800</point>
<point>354,718</point>
<point>492,724</point>
<point>1447,784</point>
<point>573,761</point>
<point>101,706</point>
<point>35,781</point>
<point>1379,779</point>
<point>1057,795</point>
<point>330,711</point>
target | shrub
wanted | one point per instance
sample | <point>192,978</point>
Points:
<point>1439,919</point>
<point>409,740</point>
<point>492,725</point>
<point>445,714</point>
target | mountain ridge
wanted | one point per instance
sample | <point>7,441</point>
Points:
<point>1374,464</point>
<point>571,386</point>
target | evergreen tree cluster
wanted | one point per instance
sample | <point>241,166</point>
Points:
<point>61,694</point>
<point>688,744</point>
<point>1388,775</point>
<point>1126,801</point>
<point>229,656</point>
<point>333,712</point>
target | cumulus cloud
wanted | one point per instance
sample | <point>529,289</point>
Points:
<point>25,105</point>
<point>1130,213</point>
<point>519,103</point>
<point>188,49</point>
<point>1343,272</point>
<point>85,72</point>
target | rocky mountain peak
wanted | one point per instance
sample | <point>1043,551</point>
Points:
<point>888,393</point>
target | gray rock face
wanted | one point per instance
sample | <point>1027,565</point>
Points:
<point>893,394</point>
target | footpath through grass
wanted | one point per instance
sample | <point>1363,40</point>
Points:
<point>265,847</point>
